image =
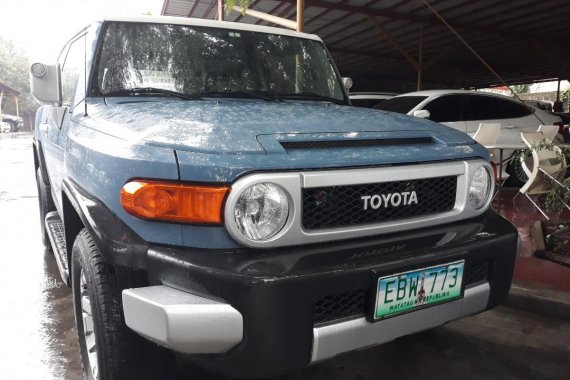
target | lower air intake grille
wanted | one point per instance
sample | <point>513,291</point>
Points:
<point>475,273</point>
<point>339,306</point>
<point>353,303</point>
<point>339,206</point>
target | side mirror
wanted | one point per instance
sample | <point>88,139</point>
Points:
<point>422,114</point>
<point>347,83</point>
<point>45,83</point>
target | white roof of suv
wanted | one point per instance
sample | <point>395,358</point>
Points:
<point>213,24</point>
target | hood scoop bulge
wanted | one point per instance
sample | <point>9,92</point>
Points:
<point>354,143</point>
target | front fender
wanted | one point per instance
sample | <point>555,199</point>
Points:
<point>118,244</point>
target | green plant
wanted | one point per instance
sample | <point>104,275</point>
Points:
<point>558,197</point>
<point>566,94</point>
<point>243,4</point>
<point>521,88</point>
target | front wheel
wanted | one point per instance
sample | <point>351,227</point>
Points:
<point>108,348</point>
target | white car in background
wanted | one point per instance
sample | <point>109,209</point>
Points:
<point>369,99</point>
<point>465,110</point>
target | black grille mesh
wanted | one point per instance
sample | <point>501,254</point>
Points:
<point>476,273</point>
<point>338,206</point>
<point>339,306</point>
<point>353,303</point>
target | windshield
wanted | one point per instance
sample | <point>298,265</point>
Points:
<point>400,104</point>
<point>203,60</point>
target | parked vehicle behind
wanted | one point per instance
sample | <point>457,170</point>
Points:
<point>5,127</point>
<point>565,116</point>
<point>207,190</point>
<point>369,99</point>
<point>465,110</point>
<point>545,105</point>
<point>14,122</point>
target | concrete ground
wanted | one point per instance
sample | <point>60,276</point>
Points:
<point>39,337</point>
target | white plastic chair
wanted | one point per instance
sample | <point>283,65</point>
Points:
<point>549,131</point>
<point>548,168</point>
<point>487,134</point>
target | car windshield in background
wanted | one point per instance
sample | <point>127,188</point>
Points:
<point>212,61</point>
<point>400,104</point>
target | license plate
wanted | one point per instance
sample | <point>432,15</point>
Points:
<point>405,292</point>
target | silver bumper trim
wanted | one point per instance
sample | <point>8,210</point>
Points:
<point>182,321</point>
<point>334,339</point>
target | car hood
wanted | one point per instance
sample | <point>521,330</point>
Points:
<point>241,127</point>
<point>219,141</point>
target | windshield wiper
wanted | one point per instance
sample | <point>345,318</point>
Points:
<point>238,93</point>
<point>153,90</point>
<point>309,96</point>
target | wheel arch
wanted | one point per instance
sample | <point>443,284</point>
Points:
<point>36,159</point>
<point>117,243</point>
<point>73,224</point>
<point>39,161</point>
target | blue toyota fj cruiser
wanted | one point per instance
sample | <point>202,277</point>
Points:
<point>208,190</point>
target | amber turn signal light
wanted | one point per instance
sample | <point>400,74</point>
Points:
<point>174,202</point>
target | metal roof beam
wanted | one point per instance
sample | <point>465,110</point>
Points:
<point>281,14</point>
<point>269,18</point>
<point>430,20</point>
<point>367,54</point>
<point>384,33</point>
<point>209,9</point>
<point>193,8</point>
<point>250,7</point>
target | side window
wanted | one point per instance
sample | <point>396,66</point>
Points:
<point>512,109</point>
<point>72,69</point>
<point>482,107</point>
<point>445,108</point>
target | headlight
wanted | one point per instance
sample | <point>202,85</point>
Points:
<point>480,188</point>
<point>261,211</point>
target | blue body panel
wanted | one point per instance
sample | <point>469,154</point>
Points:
<point>219,141</point>
<point>102,164</point>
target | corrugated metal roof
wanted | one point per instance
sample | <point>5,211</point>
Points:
<point>523,40</point>
<point>7,90</point>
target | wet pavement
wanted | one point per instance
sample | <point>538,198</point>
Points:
<point>39,337</point>
<point>36,321</point>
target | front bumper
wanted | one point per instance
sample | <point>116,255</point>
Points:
<point>333,339</point>
<point>182,321</point>
<point>252,313</point>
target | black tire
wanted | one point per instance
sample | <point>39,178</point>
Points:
<point>517,176</point>
<point>120,352</point>
<point>46,205</point>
